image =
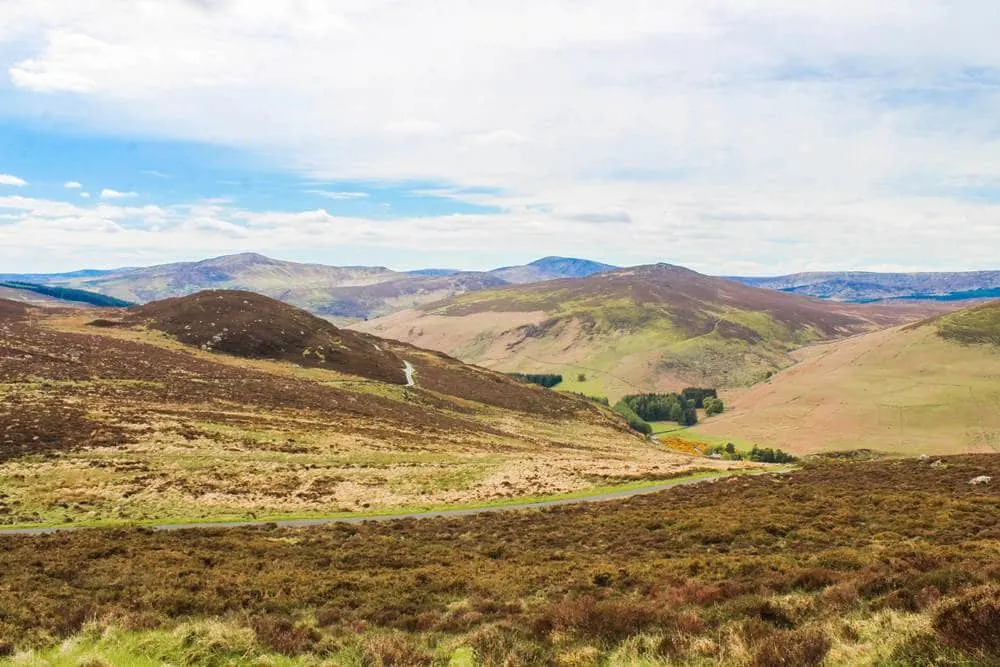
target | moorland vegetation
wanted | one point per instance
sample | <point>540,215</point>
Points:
<point>755,570</point>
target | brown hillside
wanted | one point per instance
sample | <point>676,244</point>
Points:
<point>929,388</point>
<point>647,328</point>
<point>12,310</point>
<point>120,423</point>
<point>252,326</point>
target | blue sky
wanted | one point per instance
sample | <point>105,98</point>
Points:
<point>778,138</point>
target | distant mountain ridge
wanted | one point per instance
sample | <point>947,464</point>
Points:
<point>338,292</point>
<point>866,286</point>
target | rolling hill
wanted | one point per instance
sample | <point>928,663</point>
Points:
<point>861,286</point>
<point>925,388</point>
<point>227,405</point>
<point>339,293</point>
<point>647,328</point>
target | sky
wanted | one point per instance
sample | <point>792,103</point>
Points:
<point>729,136</point>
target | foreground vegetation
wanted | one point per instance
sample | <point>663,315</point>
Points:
<point>768,570</point>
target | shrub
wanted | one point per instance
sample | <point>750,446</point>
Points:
<point>797,648</point>
<point>393,650</point>
<point>971,622</point>
<point>635,422</point>
<point>714,406</point>
<point>282,634</point>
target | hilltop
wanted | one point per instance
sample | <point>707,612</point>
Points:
<point>866,286</point>
<point>929,387</point>
<point>150,415</point>
<point>644,328</point>
<point>551,268</point>
<point>249,325</point>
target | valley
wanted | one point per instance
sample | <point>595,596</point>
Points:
<point>123,423</point>
<point>652,328</point>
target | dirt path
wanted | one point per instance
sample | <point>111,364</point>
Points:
<point>298,523</point>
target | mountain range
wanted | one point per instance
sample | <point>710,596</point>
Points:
<point>863,287</point>
<point>646,328</point>
<point>339,293</point>
<point>351,293</point>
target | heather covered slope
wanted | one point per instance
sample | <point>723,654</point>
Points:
<point>931,387</point>
<point>249,325</point>
<point>118,424</point>
<point>842,563</point>
<point>645,328</point>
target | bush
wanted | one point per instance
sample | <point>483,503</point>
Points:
<point>971,622</point>
<point>714,406</point>
<point>635,422</point>
<point>796,648</point>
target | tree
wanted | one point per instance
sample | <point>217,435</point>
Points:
<point>713,406</point>
<point>581,377</point>
<point>635,422</point>
<point>730,448</point>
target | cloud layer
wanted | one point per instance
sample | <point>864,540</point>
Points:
<point>793,135</point>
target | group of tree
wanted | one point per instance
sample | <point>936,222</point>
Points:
<point>69,294</point>
<point>758,454</point>
<point>547,380</point>
<point>676,407</point>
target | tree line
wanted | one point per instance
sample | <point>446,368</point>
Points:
<point>547,380</point>
<point>758,454</point>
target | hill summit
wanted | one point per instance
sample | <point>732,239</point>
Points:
<point>253,326</point>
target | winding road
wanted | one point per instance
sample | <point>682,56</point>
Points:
<point>298,523</point>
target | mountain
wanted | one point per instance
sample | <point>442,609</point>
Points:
<point>861,286</point>
<point>339,293</point>
<point>300,284</point>
<point>231,405</point>
<point>929,387</point>
<point>257,327</point>
<point>640,329</point>
<point>550,268</point>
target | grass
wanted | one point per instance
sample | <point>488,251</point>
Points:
<point>173,519</point>
<point>752,570</point>
<point>171,433</point>
<point>901,391</point>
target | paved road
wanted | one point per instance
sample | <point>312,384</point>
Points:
<point>294,523</point>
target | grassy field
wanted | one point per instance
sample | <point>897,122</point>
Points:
<point>104,426</point>
<point>653,328</point>
<point>904,390</point>
<point>755,570</point>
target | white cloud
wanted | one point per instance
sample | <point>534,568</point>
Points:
<point>777,134</point>
<point>72,185</point>
<point>108,193</point>
<point>85,195</point>
<point>8,179</point>
<point>339,195</point>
